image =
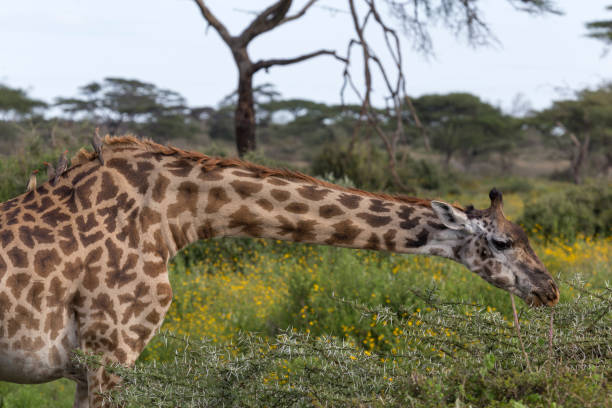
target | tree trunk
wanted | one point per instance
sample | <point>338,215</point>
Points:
<point>580,154</point>
<point>244,118</point>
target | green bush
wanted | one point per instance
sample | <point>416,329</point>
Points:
<point>366,165</point>
<point>580,210</point>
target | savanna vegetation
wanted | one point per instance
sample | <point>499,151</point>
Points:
<point>263,323</point>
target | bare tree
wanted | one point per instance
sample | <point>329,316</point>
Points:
<point>268,19</point>
<point>414,17</point>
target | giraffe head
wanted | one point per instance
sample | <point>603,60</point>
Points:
<point>498,250</point>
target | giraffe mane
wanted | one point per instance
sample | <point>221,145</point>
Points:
<point>209,163</point>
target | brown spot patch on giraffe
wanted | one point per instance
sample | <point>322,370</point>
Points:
<point>246,188</point>
<point>137,176</point>
<point>142,335</point>
<point>130,230</point>
<point>276,181</point>
<point>206,230</point>
<point>68,243</point>
<point>28,197</point>
<point>436,225</point>
<point>101,306</point>
<point>108,188</point>
<point>148,217</point>
<point>24,317</point>
<point>45,261</point>
<point>374,221</point>
<point>29,236</point>
<point>280,195</point>
<point>389,238</point>
<point>7,205</point>
<point>154,269</point>
<point>160,187</point>
<point>73,269</point>
<point>211,175</point>
<point>154,317</point>
<point>119,275</point>
<point>179,167</point>
<point>6,237</point>
<point>373,242</point>
<point>84,192</point>
<point>25,235</point>
<point>136,305</point>
<point>27,217</point>
<point>164,294</point>
<point>265,204</point>
<point>5,306</point>
<point>186,199</point>
<point>313,193</point>
<point>330,210</point>
<point>178,236</point>
<point>55,217</point>
<point>29,344</point>
<point>297,208</point>
<point>350,201</point>
<point>86,225</point>
<point>12,217</point>
<point>80,176</point>
<point>157,247</point>
<point>45,204</point>
<point>345,233</point>
<point>90,239</point>
<point>379,206</point>
<point>55,358</point>
<point>421,239</point>
<point>3,267</point>
<point>248,221</point>
<point>304,230</point>
<point>217,198</point>
<point>90,277</point>
<point>17,283</point>
<point>404,213</point>
<point>34,296</point>
<point>149,156</point>
<point>18,257</point>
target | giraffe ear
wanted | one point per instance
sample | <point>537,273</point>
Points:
<point>451,217</point>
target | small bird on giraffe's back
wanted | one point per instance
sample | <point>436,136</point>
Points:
<point>32,182</point>
<point>62,166</point>
<point>96,143</point>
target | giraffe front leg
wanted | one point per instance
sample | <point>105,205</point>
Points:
<point>118,325</point>
<point>81,399</point>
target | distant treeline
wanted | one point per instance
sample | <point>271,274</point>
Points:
<point>458,129</point>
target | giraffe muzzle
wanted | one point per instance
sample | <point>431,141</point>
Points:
<point>547,296</point>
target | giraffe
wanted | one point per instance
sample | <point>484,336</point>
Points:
<point>83,263</point>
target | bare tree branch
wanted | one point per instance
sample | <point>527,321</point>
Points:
<point>265,64</point>
<point>265,21</point>
<point>214,22</point>
<point>299,13</point>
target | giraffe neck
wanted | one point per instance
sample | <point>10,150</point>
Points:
<point>236,202</point>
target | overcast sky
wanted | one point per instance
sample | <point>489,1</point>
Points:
<point>53,47</point>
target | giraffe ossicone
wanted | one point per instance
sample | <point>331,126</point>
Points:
<point>83,261</point>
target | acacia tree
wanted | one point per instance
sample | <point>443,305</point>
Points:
<point>580,126</point>
<point>601,29</point>
<point>270,18</point>
<point>413,16</point>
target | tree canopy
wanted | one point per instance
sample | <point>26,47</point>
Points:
<point>131,104</point>
<point>15,103</point>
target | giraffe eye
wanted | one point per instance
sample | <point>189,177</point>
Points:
<point>501,245</point>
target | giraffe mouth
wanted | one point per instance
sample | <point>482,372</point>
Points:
<point>537,299</point>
